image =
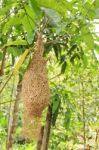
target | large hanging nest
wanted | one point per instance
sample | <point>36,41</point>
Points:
<point>35,92</point>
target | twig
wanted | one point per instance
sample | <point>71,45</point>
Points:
<point>5,83</point>
<point>84,123</point>
<point>3,62</point>
<point>55,76</point>
<point>7,102</point>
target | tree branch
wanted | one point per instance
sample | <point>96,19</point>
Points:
<point>3,62</point>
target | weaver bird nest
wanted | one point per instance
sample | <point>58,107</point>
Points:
<point>35,92</point>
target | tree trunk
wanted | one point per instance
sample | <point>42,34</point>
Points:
<point>13,119</point>
<point>40,138</point>
<point>47,130</point>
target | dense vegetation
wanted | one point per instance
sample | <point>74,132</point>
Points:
<point>71,48</point>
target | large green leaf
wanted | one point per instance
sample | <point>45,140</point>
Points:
<point>35,7</point>
<point>17,42</point>
<point>20,62</point>
<point>59,6</point>
<point>7,8</point>
<point>13,21</point>
<point>30,13</point>
<point>28,26</point>
<point>53,16</point>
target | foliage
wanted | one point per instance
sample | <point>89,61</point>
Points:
<point>72,48</point>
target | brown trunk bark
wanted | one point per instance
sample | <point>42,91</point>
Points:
<point>13,120</point>
<point>47,129</point>
<point>40,138</point>
<point>3,62</point>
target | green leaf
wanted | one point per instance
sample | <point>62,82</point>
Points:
<point>62,59</point>
<point>28,26</point>
<point>14,51</point>
<point>35,7</point>
<point>73,57</point>
<point>30,37</point>
<point>88,40</point>
<point>56,50</point>
<point>92,14</point>
<point>85,60</point>
<point>1,55</point>
<point>72,48</point>
<point>96,4</point>
<point>14,21</point>
<point>30,13</point>
<point>97,13</point>
<point>7,8</point>
<point>67,119</point>
<point>17,42</point>
<point>53,16</point>
<point>63,67</point>
<point>56,101</point>
<point>20,62</point>
<point>97,48</point>
<point>59,6</point>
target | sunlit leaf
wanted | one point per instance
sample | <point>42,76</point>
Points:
<point>17,42</point>
<point>21,60</point>
<point>14,21</point>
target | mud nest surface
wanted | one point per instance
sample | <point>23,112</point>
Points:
<point>35,92</point>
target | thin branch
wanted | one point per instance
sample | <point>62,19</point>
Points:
<point>54,42</point>
<point>83,111</point>
<point>7,102</point>
<point>5,83</point>
<point>55,76</point>
<point>3,62</point>
<point>43,24</point>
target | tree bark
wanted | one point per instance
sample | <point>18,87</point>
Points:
<point>3,62</point>
<point>47,130</point>
<point>13,119</point>
<point>40,138</point>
